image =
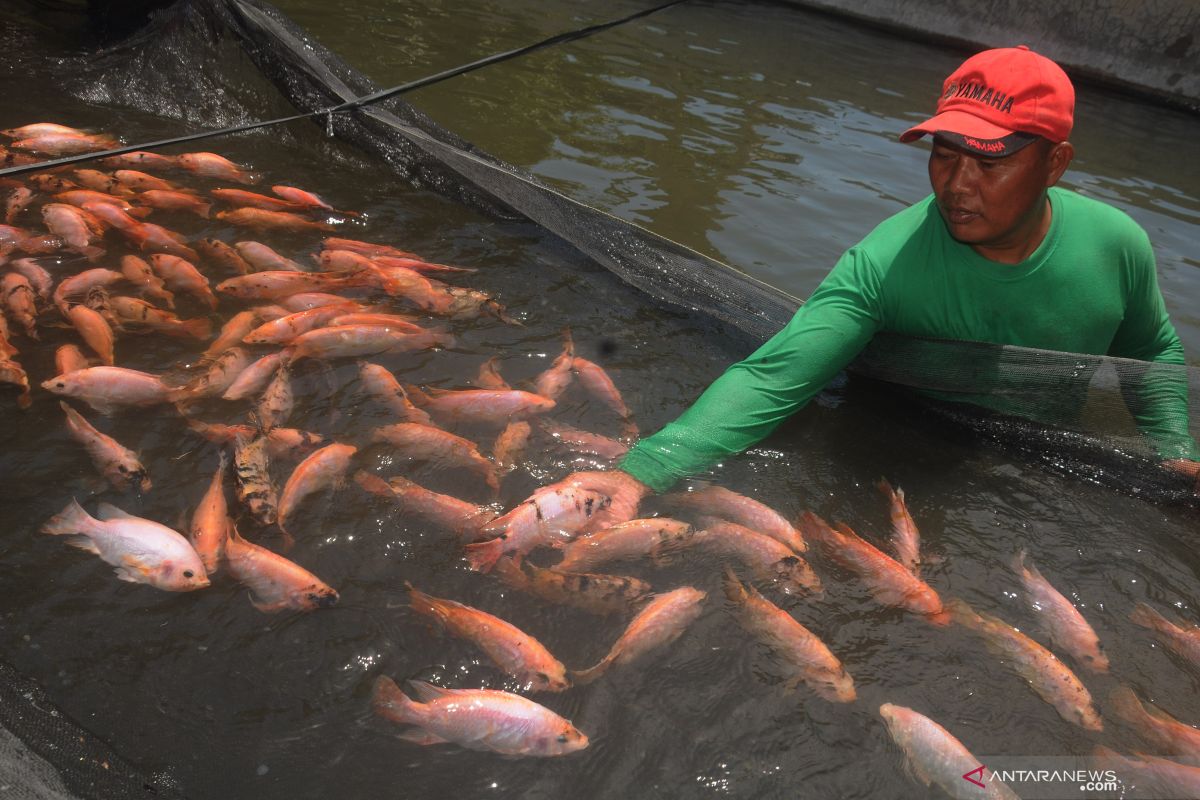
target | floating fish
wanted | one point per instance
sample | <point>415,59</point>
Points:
<point>1067,628</point>
<point>662,621</point>
<point>276,584</point>
<point>117,463</point>
<point>1184,642</point>
<point>324,468</point>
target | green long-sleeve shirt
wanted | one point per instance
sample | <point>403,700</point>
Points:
<point>1090,287</point>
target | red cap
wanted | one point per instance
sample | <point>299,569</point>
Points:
<point>1000,100</point>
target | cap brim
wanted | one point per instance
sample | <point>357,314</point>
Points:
<point>959,122</point>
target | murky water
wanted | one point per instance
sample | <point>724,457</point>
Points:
<point>758,134</point>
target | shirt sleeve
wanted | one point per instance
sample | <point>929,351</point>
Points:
<point>755,395</point>
<point>1157,395</point>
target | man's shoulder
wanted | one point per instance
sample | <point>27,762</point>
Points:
<point>899,230</point>
<point>1096,219</point>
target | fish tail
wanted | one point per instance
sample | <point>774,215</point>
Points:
<point>140,213</point>
<point>735,590</point>
<point>426,604</point>
<point>962,613</point>
<point>885,488</point>
<point>582,677</point>
<point>198,328</point>
<point>373,483</point>
<point>71,520</point>
<point>414,393</point>
<point>388,701</point>
<point>507,570</point>
<point>1147,617</point>
<point>204,209</point>
<point>484,555</point>
<point>1126,703</point>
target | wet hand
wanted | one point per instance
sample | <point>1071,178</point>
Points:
<point>1187,468</point>
<point>624,490</point>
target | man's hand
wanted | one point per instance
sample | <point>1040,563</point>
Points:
<point>625,491</point>
<point>1188,468</point>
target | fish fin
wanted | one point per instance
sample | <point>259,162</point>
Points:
<point>1126,703</point>
<point>735,590</point>
<point>1147,617</point>
<point>415,394</point>
<point>83,543</point>
<point>197,327</point>
<point>962,613</point>
<point>108,511</point>
<point>885,488</point>
<point>267,608</point>
<point>133,566</point>
<point>506,569</point>
<point>421,736</point>
<point>71,520</point>
<point>483,555</point>
<point>129,576</point>
<point>582,677</point>
<point>427,692</point>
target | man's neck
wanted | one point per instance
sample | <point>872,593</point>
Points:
<point>1022,243</point>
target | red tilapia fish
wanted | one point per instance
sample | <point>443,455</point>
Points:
<point>427,443</point>
<point>1067,628</point>
<point>717,501</point>
<point>906,539</point>
<point>108,389</point>
<point>769,559</point>
<point>210,521</point>
<point>583,442</point>
<point>458,516</point>
<point>555,380</point>
<point>276,584</point>
<point>355,341</point>
<point>117,463</point>
<point>211,165</point>
<point>263,219</point>
<point>591,592</point>
<point>803,651</point>
<point>1153,776</point>
<point>487,406</point>
<point>1166,733</point>
<point>889,582</point>
<point>478,719</point>
<point>661,622</point>
<point>635,538</point>
<point>326,467</point>
<point>383,386</point>
<point>142,551</point>
<point>513,650</point>
<point>936,757</point>
<point>553,511</point>
<point>1050,678</point>
<point>1184,642</point>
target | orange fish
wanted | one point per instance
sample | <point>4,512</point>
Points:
<point>800,648</point>
<point>770,560</point>
<point>286,328</point>
<point>107,389</point>
<point>275,583</point>
<point>139,273</point>
<point>365,248</point>
<point>1153,776</point>
<point>1184,642</point>
<point>427,443</point>
<point>553,382</point>
<point>354,341</point>
<point>513,650</point>
<point>633,538</point>
<point>511,444</point>
<point>717,501</point>
<point>141,182</point>
<point>244,199</point>
<point>596,594</point>
<point>130,311</point>
<point>19,301</point>
<point>252,468</point>
<point>68,358</point>
<point>1067,627</point>
<point>13,374</point>
<point>326,467</point>
<point>489,406</point>
<point>890,583</point>
<point>551,512</point>
<point>263,258</point>
<point>210,521</point>
<point>171,200</point>
<point>263,219</point>
<point>458,516</point>
<point>906,539</point>
<point>254,378</point>
<point>662,621</point>
<point>141,159</point>
<point>117,463</point>
<point>211,165</point>
<point>1156,726</point>
<point>217,252</point>
<point>384,387</point>
<point>95,331</point>
<point>180,275</point>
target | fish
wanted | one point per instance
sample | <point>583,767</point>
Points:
<point>262,258</point>
<point>16,200</point>
<point>658,624</point>
<point>137,181</point>
<point>323,468</point>
<point>1053,681</point>
<point>7,349</point>
<point>141,159</point>
<point>19,300</point>
<point>117,463</point>
<point>551,512</point>
<point>355,341</point>
<point>553,382</point>
<point>282,443</point>
<point>48,183</point>
<point>40,279</point>
<point>252,469</point>
<point>211,165</point>
<point>428,443</point>
<point>717,501</point>
<point>1067,628</point>
<point>277,402</point>
<point>142,551</point>
<point>181,276</point>
<point>68,358</point>
<point>478,719</point>
<point>94,330</point>
<point>308,200</point>
<point>591,592</point>
<point>219,373</point>
<point>510,648</point>
<point>254,378</point>
<point>62,145</point>
<point>78,197</point>
<point>416,264</point>
<point>394,321</point>
<point>583,442</point>
<point>1184,642</point>
<point>97,181</point>
<point>80,284</point>
<point>1153,776</point>
<point>441,510</point>
<point>130,311</point>
<point>888,581</point>
<point>342,260</point>
<point>77,231</point>
<point>801,649</point>
<point>209,528</point>
<point>275,583</point>
<point>172,200</point>
<point>487,406</point>
<point>599,385</point>
<point>635,538</point>
<point>306,300</point>
<point>277,284</point>
<point>13,374</point>
<point>906,539</point>
<point>934,756</point>
<point>139,273</point>
<point>286,328</point>
<point>221,254</point>
<point>511,444</point>
<point>1167,734</point>
<point>245,199</point>
<point>232,332</point>
<point>263,219</point>
<point>384,387</point>
<point>44,129</point>
<point>769,559</point>
<point>364,248</point>
<point>107,389</point>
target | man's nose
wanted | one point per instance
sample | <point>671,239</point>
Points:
<point>963,176</point>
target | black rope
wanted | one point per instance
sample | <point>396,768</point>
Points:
<point>349,105</point>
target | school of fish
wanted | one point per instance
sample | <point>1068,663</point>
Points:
<point>78,253</point>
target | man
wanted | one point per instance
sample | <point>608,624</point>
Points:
<point>994,254</point>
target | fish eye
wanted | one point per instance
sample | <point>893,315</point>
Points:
<point>187,573</point>
<point>122,468</point>
<point>562,738</point>
<point>60,385</point>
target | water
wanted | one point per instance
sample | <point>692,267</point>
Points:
<point>760,135</point>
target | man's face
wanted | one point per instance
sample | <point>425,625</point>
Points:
<point>996,205</point>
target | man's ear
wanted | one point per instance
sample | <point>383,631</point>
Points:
<point>1059,158</point>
